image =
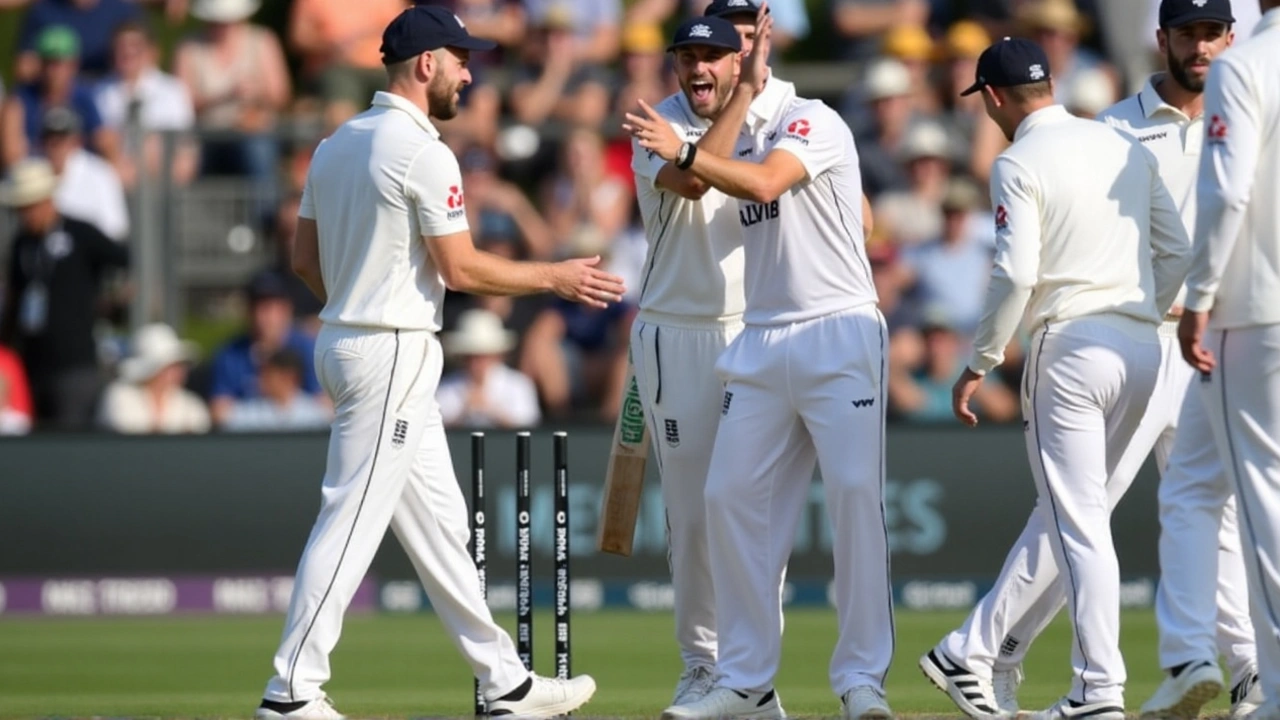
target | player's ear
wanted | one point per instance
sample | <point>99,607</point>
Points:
<point>1162,40</point>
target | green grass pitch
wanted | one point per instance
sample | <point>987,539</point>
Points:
<point>404,666</point>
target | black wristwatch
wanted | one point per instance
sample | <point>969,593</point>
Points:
<point>684,158</point>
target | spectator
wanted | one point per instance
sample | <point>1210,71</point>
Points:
<point>790,21</point>
<point>339,42</point>
<point>879,111</point>
<point>92,21</point>
<point>88,187</point>
<point>552,82</point>
<point>282,406</point>
<point>503,21</point>
<point>485,391</point>
<point>1090,93</point>
<point>862,23</point>
<point>56,85</point>
<point>923,393</point>
<point>15,395</point>
<point>149,397</point>
<point>306,306</point>
<point>950,273</point>
<point>645,73</point>
<point>498,211</point>
<point>161,102</point>
<point>958,59</point>
<point>577,357</point>
<point>55,272</point>
<point>239,84</point>
<point>583,196</point>
<point>1058,26</point>
<point>914,213</point>
<point>595,26</point>
<point>912,46</point>
<point>237,366</point>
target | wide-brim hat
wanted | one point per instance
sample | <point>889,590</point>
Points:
<point>1052,15</point>
<point>155,347</point>
<point>29,181</point>
<point>224,11</point>
<point>479,332</point>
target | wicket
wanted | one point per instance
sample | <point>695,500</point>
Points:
<point>524,547</point>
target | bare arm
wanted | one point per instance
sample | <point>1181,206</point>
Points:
<point>858,20</point>
<point>275,75</point>
<point>602,48</point>
<point>533,102</point>
<point>304,31</point>
<point>12,135</point>
<point>306,257</point>
<point>718,140</point>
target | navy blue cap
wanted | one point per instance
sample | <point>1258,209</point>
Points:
<point>422,28</point>
<point>267,285</point>
<point>721,8</point>
<point>1010,62</point>
<point>713,31</point>
<point>1174,13</point>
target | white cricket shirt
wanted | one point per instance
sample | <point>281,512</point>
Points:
<point>693,265</point>
<point>805,251</point>
<point>1084,226</point>
<point>1173,137</point>
<point>376,187</point>
<point>1236,271</point>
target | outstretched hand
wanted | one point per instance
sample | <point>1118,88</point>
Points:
<point>653,132</point>
<point>755,64</point>
<point>581,281</point>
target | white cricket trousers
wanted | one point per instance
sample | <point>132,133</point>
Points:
<point>674,360</point>
<point>388,463</point>
<point>799,395</point>
<point>1085,391</point>
<point>1030,590</point>
<point>1242,396</point>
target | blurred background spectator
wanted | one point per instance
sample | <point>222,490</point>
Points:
<point>183,130</point>
<point>485,391</point>
<point>149,396</point>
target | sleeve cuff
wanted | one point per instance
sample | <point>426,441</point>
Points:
<point>1198,301</point>
<point>981,364</point>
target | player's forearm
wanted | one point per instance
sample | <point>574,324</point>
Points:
<point>484,273</point>
<point>1006,303</point>
<point>743,180</point>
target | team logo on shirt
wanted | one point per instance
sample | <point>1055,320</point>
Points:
<point>1217,131</point>
<point>456,203</point>
<point>1002,217</point>
<point>1154,136</point>
<point>672,430</point>
<point>399,433</point>
<point>724,407</point>
<point>751,213</point>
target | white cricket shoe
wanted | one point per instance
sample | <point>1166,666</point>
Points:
<point>723,702</point>
<point>1246,697</point>
<point>545,697</point>
<point>1005,684</point>
<point>319,709</point>
<point>1182,695</point>
<point>1066,709</point>
<point>972,693</point>
<point>694,685</point>
<point>865,703</point>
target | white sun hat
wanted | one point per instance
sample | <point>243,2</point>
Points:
<point>154,347</point>
<point>479,332</point>
<point>29,182</point>
<point>224,11</point>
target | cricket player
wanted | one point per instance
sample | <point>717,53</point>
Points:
<point>691,304</point>
<point>1166,118</point>
<point>804,387</point>
<point>382,231</point>
<point>1090,253</point>
<point>1230,330</point>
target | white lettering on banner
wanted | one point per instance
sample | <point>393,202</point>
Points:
<point>281,589</point>
<point>586,594</point>
<point>1137,593</point>
<point>922,595</point>
<point>241,595</point>
<point>402,596</point>
<point>68,597</point>
<point>148,596</point>
<point>502,597</point>
<point>651,596</point>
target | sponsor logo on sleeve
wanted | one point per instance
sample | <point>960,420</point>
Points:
<point>1217,132</point>
<point>1002,217</point>
<point>798,130</point>
<point>456,203</point>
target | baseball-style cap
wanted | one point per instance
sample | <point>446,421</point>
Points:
<point>1174,13</point>
<point>267,285</point>
<point>60,120</point>
<point>713,31</point>
<point>1008,63</point>
<point>58,42</point>
<point>422,28</point>
<point>721,8</point>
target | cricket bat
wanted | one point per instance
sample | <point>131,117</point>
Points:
<point>624,479</point>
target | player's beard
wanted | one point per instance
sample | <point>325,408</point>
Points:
<point>1181,73</point>
<point>442,98</point>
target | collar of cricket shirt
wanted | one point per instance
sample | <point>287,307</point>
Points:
<point>385,99</point>
<point>1150,101</point>
<point>1051,114</point>
<point>1270,19</point>
<point>764,107</point>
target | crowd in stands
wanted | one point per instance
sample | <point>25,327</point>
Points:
<point>95,104</point>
